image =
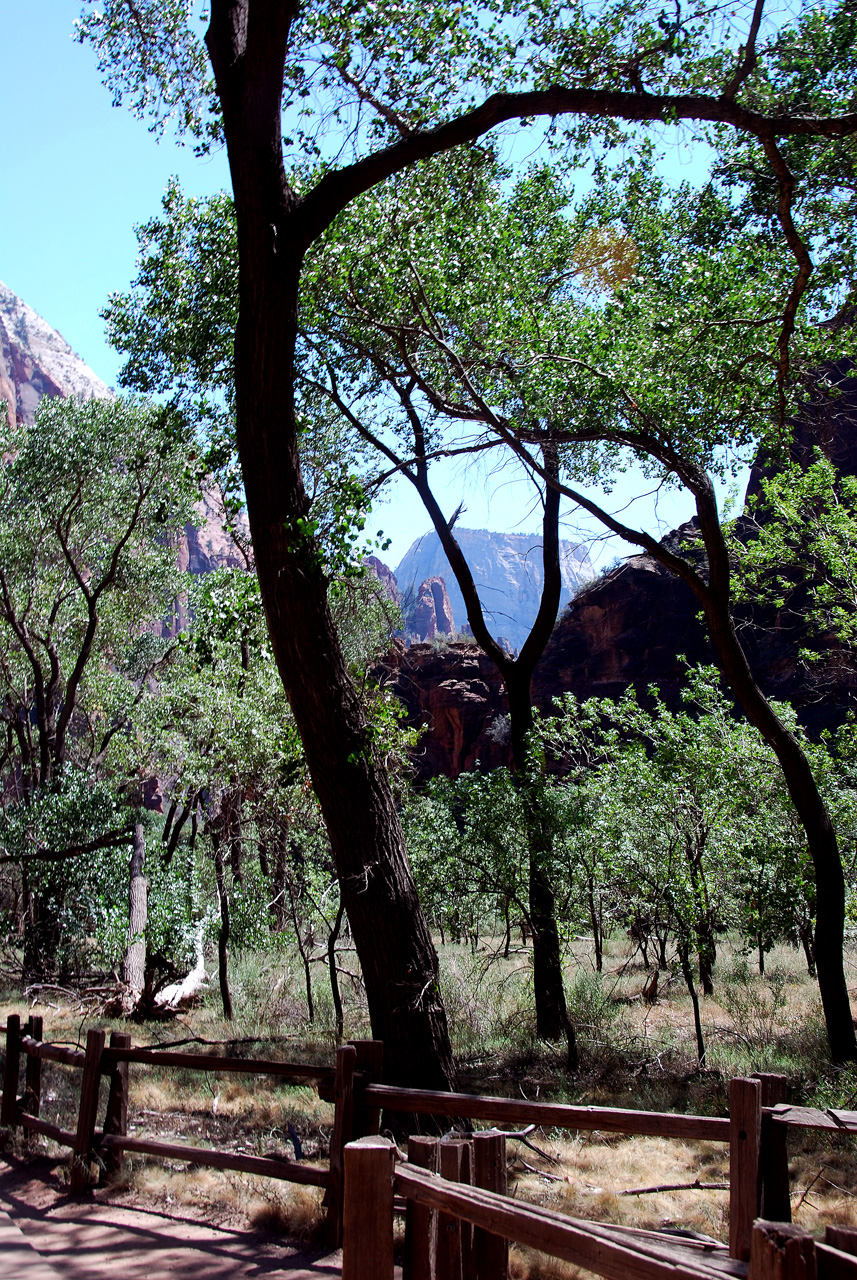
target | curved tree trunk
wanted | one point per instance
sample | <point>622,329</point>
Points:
<point>552,1021</point>
<point>714,596</point>
<point>801,784</point>
<point>389,930</point>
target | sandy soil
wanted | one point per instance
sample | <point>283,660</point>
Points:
<point>104,1237</point>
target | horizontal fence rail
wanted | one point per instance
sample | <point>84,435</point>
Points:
<point>215,1062</point>
<point>578,1242</point>
<point>264,1166</point>
<point>778,1251</point>
<point>552,1115</point>
<point>93,1149</point>
<point>442,1179</point>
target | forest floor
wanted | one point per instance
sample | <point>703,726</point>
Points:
<point>635,1055</point>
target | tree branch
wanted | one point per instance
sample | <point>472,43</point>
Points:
<point>339,187</point>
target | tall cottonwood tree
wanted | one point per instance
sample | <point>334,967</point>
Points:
<point>395,86</point>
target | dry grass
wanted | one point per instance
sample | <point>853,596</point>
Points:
<point>635,1055</point>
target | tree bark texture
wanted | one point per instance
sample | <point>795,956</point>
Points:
<point>248,45</point>
<point>134,965</point>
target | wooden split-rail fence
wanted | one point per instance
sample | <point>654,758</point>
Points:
<point>458,1217</point>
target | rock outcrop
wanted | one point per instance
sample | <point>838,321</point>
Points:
<point>430,615</point>
<point>507,570</point>
<point>457,693</point>
<point>37,361</point>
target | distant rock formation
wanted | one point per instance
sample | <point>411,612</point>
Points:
<point>507,570</point>
<point>638,625</point>
<point>457,692</point>
<point>386,577</point>
<point>37,361</point>
<point>430,615</point>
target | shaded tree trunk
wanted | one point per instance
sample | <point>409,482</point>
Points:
<point>714,592</point>
<point>552,1019</point>
<point>687,974</point>
<point>829,938</point>
<point>223,932</point>
<point>706,954</point>
<point>134,964</point>
<point>389,930</point>
<point>597,932</point>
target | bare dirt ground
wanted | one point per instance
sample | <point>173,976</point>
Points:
<point>105,1237</point>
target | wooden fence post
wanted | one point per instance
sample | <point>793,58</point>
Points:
<point>86,1116</point>
<point>116,1115</point>
<point>490,1252</point>
<point>370,1060</point>
<point>781,1251</point>
<point>453,1236</point>
<point>11,1069</point>
<point>465,1227</point>
<point>32,1101</point>
<point>776,1202</point>
<point>420,1222</point>
<point>745,1135</point>
<point>367,1239</point>
<point>842,1238</point>
<point>343,1133</point>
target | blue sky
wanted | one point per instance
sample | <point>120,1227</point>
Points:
<point>79,174</point>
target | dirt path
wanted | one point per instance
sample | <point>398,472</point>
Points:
<point>105,1238</point>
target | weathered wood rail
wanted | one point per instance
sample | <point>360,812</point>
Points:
<point>95,1149</point>
<point>444,1184</point>
<point>456,1231</point>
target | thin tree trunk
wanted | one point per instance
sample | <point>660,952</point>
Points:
<point>596,932</point>
<point>806,943</point>
<point>334,979</point>
<point>687,974</point>
<point>552,1021</point>
<point>706,955</point>
<point>801,784</point>
<point>714,596</point>
<point>303,955</point>
<point>223,933</point>
<point>134,965</point>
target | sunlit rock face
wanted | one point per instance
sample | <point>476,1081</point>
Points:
<point>431,613</point>
<point>37,361</point>
<point>507,569</point>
